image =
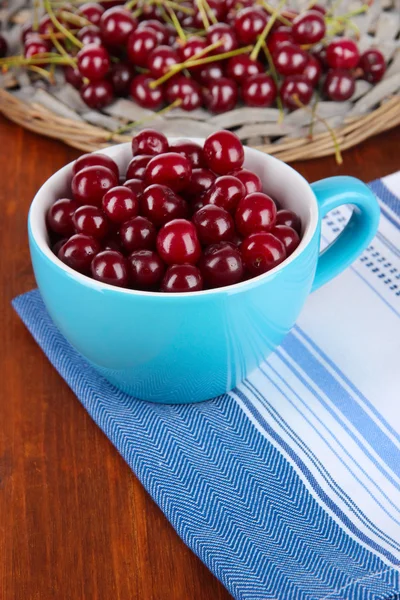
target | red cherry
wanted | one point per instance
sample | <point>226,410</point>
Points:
<point>150,142</point>
<point>177,243</point>
<point>226,192</point>
<point>220,95</point>
<point>250,180</point>
<point>94,160</point>
<point>296,88</point>
<point>240,68</point>
<point>192,46</point>
<point>210,72</point>
<point>213,224</point>
<point>79,251</point>
<point>59,216</point>
<point>223,152</point>
<point>140,43</point>
<point>339,85</point>
<point>262,252</point>
<point>221,266</point>
<point>225,33</point>
<point>200,181</point>
<point>97,94</point>
<point>92,12</point>
<point>90,34</point>
<point>46,25</point>
<point>116,25</point>
<point>342,54</point>
<point>120,204</point>
<point>288,218</point>
<point>171,169</point>
<point>160,60</point>
<point>57,246</point>
<point>91,183</point>
<point>192,151</point>
<point>160,205</point>
<point>256,212</point>
<point>91,221</point>
<point>288,236</point>
<point>146,269</point>
<point>36,46</point>
<point>249,24</point>
<point>110,267</point>
<point>159,29</point>
<point>93,62</point>
<point>279,37</point>
<point>136,186</point>
<point>313,70</point>
<point>320,55</point>
<point>138,234</point>
<point>290,59</point>
<point>181,279</point>
<point>186,90</point>
<point>308,28</point>
<point>144,95</point>
<point>137,167</point>
<point>259,90</point>
<point>373,65</point>
<point>73,76</point>
<point>121,75</point>
<point>319,9</point>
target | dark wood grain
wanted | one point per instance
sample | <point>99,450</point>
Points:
<point>74,521</point>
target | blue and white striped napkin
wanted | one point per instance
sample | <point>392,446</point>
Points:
<point>289,487</point>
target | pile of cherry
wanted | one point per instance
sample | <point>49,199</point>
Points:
<point>187,218</point>
<point>127,56</point>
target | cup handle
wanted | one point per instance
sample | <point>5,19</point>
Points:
<point>359,231</point>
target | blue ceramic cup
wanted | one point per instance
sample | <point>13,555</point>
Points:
<point>179,348</point>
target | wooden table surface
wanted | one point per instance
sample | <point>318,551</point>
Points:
<point>74,521</point>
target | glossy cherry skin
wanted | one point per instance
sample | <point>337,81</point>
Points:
<point>181,279</point>
<point>94,160</point>
<point>226,192</point>
<point>249,24</point>
<point>223,152</point>
<point>339,85</point>
<point>91,183</point>
<point>192,151</point>
<point>138,234</point>
<point>225,33</point>
<point>116,25</point>
<point>137,167</point>
<point>79,251</point>
<point>288,236</point>
<point>250,180</point>
<point>160,60</point>
<point>259,90</point>
<point>140,43</point>
<point>146,269</point>
<point>373,65</point>
<point>296,87</point>
<point>90,220</point>
<point>213,224</point>
<point>209,72</point>
<point>261,252</point>
<point>46,25</point>
<point>160,205</point>
<point>177,243</point>
<point>90,34</point>
<point>35,46</point>
<point>200,181</point>
<point>240,68</point>
<point>120,204</point>
<point>144,95</point>
<point>308,28</point>
<point>150,142</point>
<point>93,62</point>
<point>290,59</point>
<point>59,216</point>
<point>313,70</point>
<point>255,212</point>
<point>121,75</point>
<point>137,186</point>
<point>342,54</point>
<point>193,46</point>
<point>97,94</point>
<point>288,218</point>
<point>159,29</point>
<point>110,267</point>
<point>73,77</point>
<point>171,169</point>
<point>186,90</point>
<point>220,95</point>
<point>276,39</point>
<point>221,266</point>
<point>92,12</point>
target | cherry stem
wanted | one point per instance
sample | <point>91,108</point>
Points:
<point>42,72</point>
<point>215,57</point>
<point>60,26</point>
<point>270,9</point>
<point>75,19</point>
<point>62,50</point>
<point>203,14</point>
<point>177,25</point>
<point>210,12</point>
<point>133,124</point>
<point>274,76</point>
<point>266,30</point>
